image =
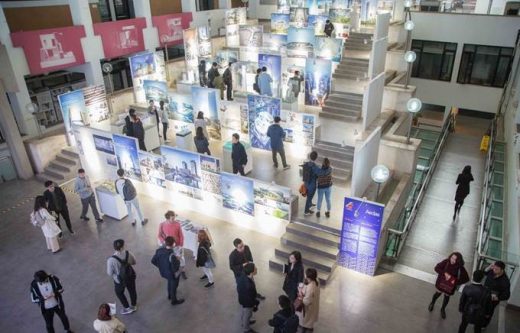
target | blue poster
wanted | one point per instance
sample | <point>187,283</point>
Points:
<point>279,23</point>
<point>142,64</point>
<point>318,23</point>
<point>206,100</point>
<point>127,153</point>
<point>73,109</point>
<point>262,110</point>
<point>318,6</point>
<point>278,41</point>
<point>328,48</point>
<point>360,232</point>
<point>300,42</point>
<point>180,108</point>
<point>156,91</point>
<point>238,193</point>
<point>317,81</point>
<point>273,63</point>
<point>182,167</point>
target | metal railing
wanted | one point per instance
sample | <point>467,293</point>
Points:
<point>397,235</point>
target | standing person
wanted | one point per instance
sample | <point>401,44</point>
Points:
<point>310,173</point>
<point>295,84</point>
<point>40,217</point>
<point>329,28</point>
<point>246,289</point>
<point>498,284</point>
<point>239,258</point>
<point>475,303</point>
<point>324,187</point>
<point>201,122</point>
<point>451,273</point>
<point>201,142</point>
<point>293,275</point>
<point>46,291</point>
<point>212,73</point>
<point>202,73</point>
<point>129,127</point>
<point>256,86</point>
<point>119,267</point>
<point>309,298</point>
<point>138,131</point>
<point>284,321</point>
<point>152,109</point>
<point>168,264</point>
<point>264,82</point>
<point>57,203</point>
<point>463,181</point>
<point>164,120</point>
<point>218,83</point>
<point>126,190</point>
<point>276,133</point>
<point>105,323</point>
<point>238,155</point>
<point>228,81</point>
<point>171,227</point>
<point>83,188</point>
<point>204,258</point>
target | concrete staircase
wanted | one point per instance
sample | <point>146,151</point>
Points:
<point>62,168</point>
<point>343,106</point>
<point>352,69</point>
<point>359,41</point>
<point>317,243</point>
<point>341,159</point>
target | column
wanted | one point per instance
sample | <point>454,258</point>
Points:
<point>150,34</point>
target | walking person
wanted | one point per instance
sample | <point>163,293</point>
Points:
<point>57,203</point>
<point>498,284</point>
<point>40,217</point>
<point>329,28</point>
<point>475,304</point>
<point>46,291</point>
<point>202,73</point>
<point>164,120</point>
<point>293,275</point>
<point>285,320</point>
<point>171,227</point>
<point>324,187</point>
<point>119,267</point>
<point>239,258</point>
<point>152,109</point>
<point>228,81</point>
<point>106,323</point>
<point>246,289</point>
<point>310,172</point>
<point>238,155</point>
<point>126,190</point>
<point>276,133</point>
<point>309,300</point>
<point>168,264</point>
<point>83,188</point>
<point>212,73</point>
<point>463,180</point>
<point>128,129</point>
<point>256,86</point>
<point>138,129</point>
<point>264,82</point>
<point>201,142</point>
<point>204,258</point>
<point>450,274</point>
<point>201,122</point>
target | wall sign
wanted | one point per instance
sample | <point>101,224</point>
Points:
<point>121,37</point>
<point>170,27</point>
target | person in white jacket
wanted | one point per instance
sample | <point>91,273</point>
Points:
<point>40,217</point>
<point>105,323</point>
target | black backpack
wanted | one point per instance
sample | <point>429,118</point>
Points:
<point>129,191</point>
<point>290,324</point>
<point>477,311</point>
<point>306,172</point>
<point>126,272</point>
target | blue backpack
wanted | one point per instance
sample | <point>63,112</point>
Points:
<point>290,324</point>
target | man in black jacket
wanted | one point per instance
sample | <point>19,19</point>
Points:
<point>498,284</point>
<point>475,303</point>
<point>168,264</point>
<point>46,291</point>
<point>228,81</point>
<point>129,127</point>
<point>247,296</point>
<point>238,155</point>
<point>284,320</point>
<point>239,258</point>
<point>138,131</point>
<point>212,73</point>
<point>57,203</point>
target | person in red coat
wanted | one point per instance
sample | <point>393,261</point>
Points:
<point>451,274</point>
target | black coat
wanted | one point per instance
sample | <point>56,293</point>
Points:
<point>279,319</point>
<point>138,130</point>
<point>57,289</point>
<point>463,181</point>
<point>475,303</point>
<point>202,253</point>
<point>238,259</point>
<point>499,286</point>
<point>292,279</point>
<point>456,270</point>
<point>60,196</point>
<point>166,261</point>
<point>129,126</point>
<point>238,154</point>
<point>246,289</point>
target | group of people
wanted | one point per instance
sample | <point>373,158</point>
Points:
<point>316,178</point>
<point>134,128</point>
<point>263,82</point>
<point>161,116</point>
<point>213,79</point>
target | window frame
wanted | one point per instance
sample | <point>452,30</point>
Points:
<point>445,51</point>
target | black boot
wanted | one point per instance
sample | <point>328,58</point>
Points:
<point>443,308</point>
<point>434,299</point>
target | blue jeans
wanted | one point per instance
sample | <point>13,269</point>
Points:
<point>324,192</point>
<point>311,189</point>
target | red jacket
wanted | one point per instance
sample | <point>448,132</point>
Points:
<point>172,229</point>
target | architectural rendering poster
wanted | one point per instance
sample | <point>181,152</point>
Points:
<point>318,23</point>
<point>262,110</point>
<point>250,35</point>
<point>160,66</point>
<point>104,144</point>
<point>96,103</point>
<point>298,17</point>
<point>244,73</point>
<point>273,63</point>
<point>180,108</point>
<point>360,232</point>
<point>232,38</point>
<point>273,200</point>
<point>277,41</point>
<point>300,42</point>
<point>340,4</point>
<point>204,42</point>
<point>238,193</point>
<point>121,37</point>
<point>368,10</point>
<point>210,172</point>
<point>279,23</point>
<point>72,105</point>
<point>126,149</point>
<point>284,6</point>
<point>236,16</point>
<point>225,57</point>
<point>143,67</point>
<point>206,100</point>
<point>183,168</point>
<point>317,81</point>
<point>299,128</point>
<point>341,20</point>
<point>156,91</point>
<point>290,87</point>
<point>191,48</point>
<point>244,119</point>
<point>328,48</point>
<point>152,169</point>
<point>318,6</point>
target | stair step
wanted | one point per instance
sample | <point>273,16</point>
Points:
<point>351,60</point>
<point>66,159</point>
<point>365,34</point>
<point>54,173</point>
<point>336,147</point>
<point>349,68</point>
<point>70,152</point>
<point>319,226</point>
<point>308,258</point>
<point>312,233</point>
<point>60,166</point>
<point>349,105</point>
<point>277,264</point>
<point>346,100</point>
<point>341,111</point>
<point>335,116</point>
<point>346,95</point>
<point>336,163</point>
<point>43,177</point>
<point>350,77</point>
<point>304,244</point>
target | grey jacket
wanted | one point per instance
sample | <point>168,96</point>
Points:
<point>114,267</point>
<point>82,187</point>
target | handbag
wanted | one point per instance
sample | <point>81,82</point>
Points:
<point>303,190</point>
<point>447,286</point>
<point>298,305</point>
<point>210,263</point>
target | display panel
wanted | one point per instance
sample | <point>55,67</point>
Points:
<point>146,66</point>
<point>96,103</point>
<point>291,85</point>
<point>183,168</point>
<point>299,128</point>
<point>319,6</point>
<point>232,37</point>
<point>104,144</point>
<point>318,23</point>
<point>236,16</point>
<point>340,17</point>
<point>206,100</point>
<point>156,91</point>
<point>279,23</point>
<point>298,17</point>
<point>191,48</point>
<point>210,167</point>
<point>73,110</point>
<point>238,193</point>
<point>126,150</point>
<point>328,48</point>
<point>152,169</point>
<point>180,108</point>
<point>262,110</point>
<point>300,42</point>
<point>273,200</point>
<point>251,36</point>
<point>204,42</point>
<point>317,81</point>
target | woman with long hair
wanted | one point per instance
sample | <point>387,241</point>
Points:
<point>324,187</point>
<point>293,275</point>
<point>309,296</point>
<point>204,257</point>
<point>105,323</point>
<point>200,121</point>
<point>201,142</point>
<point>463,180</point>
<point>450,274</point>
<point>40,217</point>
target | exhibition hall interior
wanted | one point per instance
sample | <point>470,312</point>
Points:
<point>259,166</point>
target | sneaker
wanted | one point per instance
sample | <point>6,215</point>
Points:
<point>144,221</point>
<point>287,167</point>
<point>99,220</point>
<point>134,307</point>
<point>184,276</point>
<point>179,301</point>
<point>84,218</point>
<point>209,284</point>
<point>327,214</point>
<point>309,213</point>
<point>133,224</point>
<point>313,205</point>
<point>72,232</point>
<point>126,311</point>
<point>204,277</point>
<point>317,214</point>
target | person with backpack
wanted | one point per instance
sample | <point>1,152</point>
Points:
<point>324,187</point>
<point>204,258</point>
<point>40,217</point>
<point>310,173</point>
<point>119,267</point>
<point>126,190</point>
<point>276,135</point>
<point>475,304</point>
<point>169,268</point>
<point>228,81</point>
<point>285,320</point>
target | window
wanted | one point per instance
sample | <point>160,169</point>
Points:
<point>114,10</point>
<point>121,76</point>
<point>203,5</point>
<point>485,65</point>
<point>174,52</point>
<point>434,59</point>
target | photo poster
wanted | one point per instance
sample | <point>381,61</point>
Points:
<point>298,17</point>
<point>273,63</point>
<point>77,137</point>
<point>204,42</point>
<point>105,149</point>
<point>210,173</point>
<point>236,16</point>
<point>262,110</point>
<point>225,57</point>
<point>318,23</point>
<point>277,41</point>
<point>96,103</point>
<point>142,67</point>
<point>300,42</point>
<point>156,91</point>
<point>317,81</point>
<point>160,66</point>
<point>273,200</point>
<point>243,73</point>
<point>360,231</point>
<point>244,119</point>
<point>191,48</point>
<point>317,7</point>
<point>288,85</point>
<point>73,110</point>
<point>279,23</point>
<point>127,154</point>
<point>340,18</point>
<point>152,169</point>
<point>328,48</point>
<point>340,4</point>
<point>232,38</point>
<point>283,6</point>
<point>299,128</point>
<point>180,108</point>
<point>250,35</point>
<point>238,193</point>
<point>206,100</point>
<point>182,170</point>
